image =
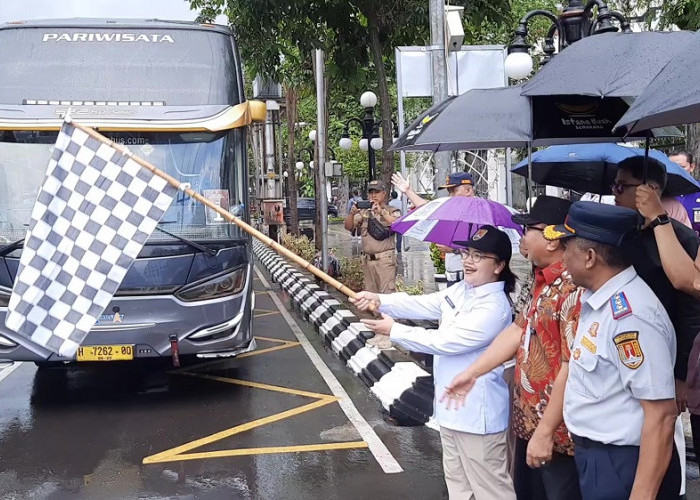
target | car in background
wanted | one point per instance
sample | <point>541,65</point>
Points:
<point>307,210</point>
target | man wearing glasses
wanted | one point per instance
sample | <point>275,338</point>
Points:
<point>663,254</point>
<point>539,339</point>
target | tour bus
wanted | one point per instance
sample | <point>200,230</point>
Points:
<point>172,92</point>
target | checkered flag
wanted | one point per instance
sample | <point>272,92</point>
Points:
<point>94,212</point>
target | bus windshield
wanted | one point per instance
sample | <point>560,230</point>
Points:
<point>178,67</point>
<point>196,158</point>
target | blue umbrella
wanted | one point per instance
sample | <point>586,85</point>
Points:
<point>592,167</point>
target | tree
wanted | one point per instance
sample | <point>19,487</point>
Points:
<point>355,35</point>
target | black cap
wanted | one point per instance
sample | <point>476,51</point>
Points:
<point>548,210</point>
<point>457,179</point>
<point>489,239</point>
<point>607,224</point>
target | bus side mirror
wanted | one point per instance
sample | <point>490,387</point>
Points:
<point>258,111</point>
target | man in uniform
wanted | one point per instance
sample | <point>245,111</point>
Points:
<point>378,241</point>
<point>662,254</point>
<point>619,401</point>
<point>457,184</point>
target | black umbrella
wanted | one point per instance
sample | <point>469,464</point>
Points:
<point>477,119</point>
<point>502,117</point>
<point>589,86</point>
<point>608,64</point>
<point>672,97</point>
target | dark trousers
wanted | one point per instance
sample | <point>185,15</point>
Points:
<point>607,471</point>
<point>558,480</point>
<point>399,240</point>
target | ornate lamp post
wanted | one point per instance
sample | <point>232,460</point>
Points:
<point>370,140</point>
<point>574,22</point>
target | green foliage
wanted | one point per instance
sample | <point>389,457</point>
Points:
<point>683,13</point>
<point>438,259</point>
<point>415,289</point>
<point>352,273</point>
<point>300,245</point>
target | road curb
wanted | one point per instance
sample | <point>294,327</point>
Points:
<point>404,388</point>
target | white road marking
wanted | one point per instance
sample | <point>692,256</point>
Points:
<point>7,371</point>
<point>381,453</point>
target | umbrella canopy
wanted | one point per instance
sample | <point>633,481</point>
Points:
<point>608,64</point>
<point>502,117</point>
<point>672,97</point>
<point>455,218</point>
<point>587,88</point>
<point>592,167</point>
<point>477,119</point>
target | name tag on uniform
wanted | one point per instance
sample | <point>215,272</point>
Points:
<point>588,344</point>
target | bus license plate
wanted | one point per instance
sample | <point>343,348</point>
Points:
<point>105,353</point>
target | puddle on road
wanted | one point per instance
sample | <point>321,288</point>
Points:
<point>346,432</point>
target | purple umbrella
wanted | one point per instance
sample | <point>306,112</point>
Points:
<point>456,218</point>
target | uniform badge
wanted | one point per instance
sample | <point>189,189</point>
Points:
<point>588,344</point>
<point>552,234</point>
<point>620,305</point>
<point>577,353</point>
<point>479,234</point>
<point>629,349</point>
<point>593,330</point>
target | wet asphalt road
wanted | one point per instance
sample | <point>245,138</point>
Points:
<point>225,429</point>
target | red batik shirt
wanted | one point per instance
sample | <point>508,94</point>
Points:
<point>552,314</point>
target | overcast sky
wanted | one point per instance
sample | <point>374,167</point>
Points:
<point>16,10</point>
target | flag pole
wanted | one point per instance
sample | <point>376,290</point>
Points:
<point>224,213</point>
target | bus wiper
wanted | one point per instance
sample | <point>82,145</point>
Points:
<point>201,248</point>
<point>11,247</point>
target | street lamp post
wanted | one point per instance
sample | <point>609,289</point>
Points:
<point>574,22</point>
<point>370,140</point>
<point>300,163</point>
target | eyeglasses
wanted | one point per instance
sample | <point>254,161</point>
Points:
<point>619,187</point>
<point>475,256</point>
<point>532,228</point>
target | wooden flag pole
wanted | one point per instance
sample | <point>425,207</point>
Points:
<point>224,213</point>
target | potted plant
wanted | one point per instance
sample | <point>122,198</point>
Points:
<point>438,259</point>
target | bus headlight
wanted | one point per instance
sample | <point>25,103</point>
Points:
<point>5,297</point>
<point>218,286</point>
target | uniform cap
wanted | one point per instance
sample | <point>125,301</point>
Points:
<point>489,239</point>
<point>607,224</point>
<point>457,179</point>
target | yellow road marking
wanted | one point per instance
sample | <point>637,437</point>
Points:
<point>265,314</point>
<point>263,451</point>
<point>181,452</point>
<point>173,453</point>
<point>284,345</point>
<point>257,385</point>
